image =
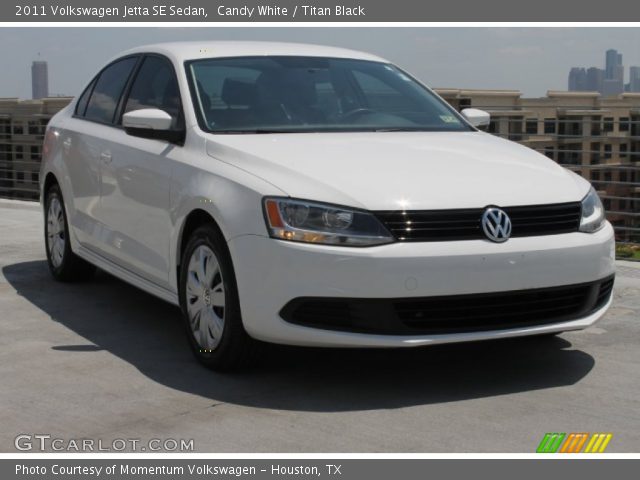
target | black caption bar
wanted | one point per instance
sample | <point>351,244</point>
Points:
<point>318,11</point>
<point>333,469</point>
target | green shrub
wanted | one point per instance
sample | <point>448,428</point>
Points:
<point>624,251</point>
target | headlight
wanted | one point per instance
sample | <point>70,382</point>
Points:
<point>592,218</point>
<point>302,221</point>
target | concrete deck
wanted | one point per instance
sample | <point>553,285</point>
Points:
<point>103,360</point>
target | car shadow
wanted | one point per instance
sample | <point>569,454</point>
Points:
<point>148,333</point>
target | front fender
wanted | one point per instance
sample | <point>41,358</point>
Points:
<point>230,196</point>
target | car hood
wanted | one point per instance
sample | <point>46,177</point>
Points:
<point>401,170</point>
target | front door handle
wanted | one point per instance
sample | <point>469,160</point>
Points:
<point>67,143</point>
<point>106,157</point>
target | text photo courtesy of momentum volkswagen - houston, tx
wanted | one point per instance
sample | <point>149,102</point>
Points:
<point>306,240</point>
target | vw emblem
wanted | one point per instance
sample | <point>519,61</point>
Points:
<point>206,297</point>
<point>496,225</point>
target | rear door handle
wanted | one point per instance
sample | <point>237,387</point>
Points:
<point>106,157</point>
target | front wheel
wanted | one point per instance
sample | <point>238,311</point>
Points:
<point>210,304</point>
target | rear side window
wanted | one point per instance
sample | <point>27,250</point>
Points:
<point>106,94</point>
<point>155,86</point>
<point>81,106</point>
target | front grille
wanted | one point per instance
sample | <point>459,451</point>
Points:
<point>464,224</point>
<point>451,314</point>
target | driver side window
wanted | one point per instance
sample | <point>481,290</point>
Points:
<point>155,86</point>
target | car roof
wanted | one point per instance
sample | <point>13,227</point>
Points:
<point>183,51</point>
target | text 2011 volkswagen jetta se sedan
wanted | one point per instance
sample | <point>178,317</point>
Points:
<point>315,196</point>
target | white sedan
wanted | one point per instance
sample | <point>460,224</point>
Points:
<point>315,196</point>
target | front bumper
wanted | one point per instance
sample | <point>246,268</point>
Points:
<point>271,273</point>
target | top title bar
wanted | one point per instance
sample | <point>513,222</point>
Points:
<point>301,11</point>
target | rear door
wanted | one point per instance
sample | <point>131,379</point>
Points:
<point>82,144</point>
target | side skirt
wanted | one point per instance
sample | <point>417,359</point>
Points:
<point>126,275</point>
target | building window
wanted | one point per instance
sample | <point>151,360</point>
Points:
<point>569,127</point>
<point>18,129</point>
<point>623,176</point>
<point>624,124</point>
<point>5,151</point>
<point>515,129</point>
<point>550,152</point>
<point>595,175</point>
<point>33,127</point>
<point>35,152</point>
<point>607,151</point>
<point>570,154</point>
<point>532,126</point>
<point>493,126</point>
<point>607,124</point>
<point>575,128</point>
<point>624,148</point>
<point>464,103</point>
<point>635,126</point>
<point>18,150</point>
<point>550,126</point>
<point>595,153</point>
<point>607,176</point>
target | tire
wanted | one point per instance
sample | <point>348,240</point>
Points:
<point>210,304</point>
<point>64,265</point>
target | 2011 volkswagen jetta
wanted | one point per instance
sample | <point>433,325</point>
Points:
<point>315,196</point>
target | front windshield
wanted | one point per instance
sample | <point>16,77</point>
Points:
<point>312,94</point>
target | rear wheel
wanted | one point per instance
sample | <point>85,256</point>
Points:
<point>64,265</point>
<point>210,304</point>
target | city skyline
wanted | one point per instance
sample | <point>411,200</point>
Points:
<point>483,58</point>
<point>609,81</point>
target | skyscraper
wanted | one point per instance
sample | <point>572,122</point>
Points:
<point>39,80</point>
<point>613,74</point>
<point>612,60</point>
<point>577,79</point>
<point>634,79</point>
<point>595,79</point>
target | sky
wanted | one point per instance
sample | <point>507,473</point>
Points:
<point>532,60</point>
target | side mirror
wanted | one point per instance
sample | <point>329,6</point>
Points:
<point>477,118</point>
<point>151,123</point>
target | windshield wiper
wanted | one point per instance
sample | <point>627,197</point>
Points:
<point>402,129</point>
<point>258,130</point>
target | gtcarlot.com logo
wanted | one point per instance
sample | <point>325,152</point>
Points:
<point>44,443</point>
<point>574,443</point>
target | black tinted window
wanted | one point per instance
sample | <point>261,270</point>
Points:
<point>155,86</point>
<point>104,99</point>
<point>81,106</point>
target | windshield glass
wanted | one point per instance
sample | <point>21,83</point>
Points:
<point>312,94</point>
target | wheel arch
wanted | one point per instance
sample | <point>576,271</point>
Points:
<point>49,180</point>
<point>193,220</point>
